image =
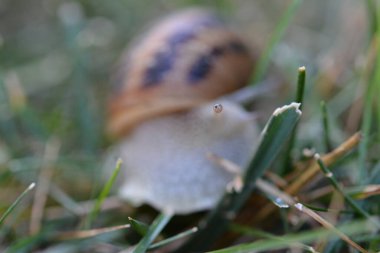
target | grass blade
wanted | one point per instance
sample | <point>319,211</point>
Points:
<point>154,230</point>
<point>330,158</point>
<point>301,80</point>
<point>173,238</point>
<point>103,195</point>
<point>303,209</point>
<point>273,138</point>
<point>330,176</point>
<point>299,99</point>
<point>326,127</point>
<point>262,234</point>
<point>369,98</point>
<point>83,234</point>
<point>290,239</point>
<point>138,226</point>
<point>276,37</point>
<point>271,189</point>
<point>16,202</point>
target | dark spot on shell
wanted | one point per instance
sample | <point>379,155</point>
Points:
<point>217,51</point>
<point>238,47</point>
<point>200,68</point>
<point>163,62</point>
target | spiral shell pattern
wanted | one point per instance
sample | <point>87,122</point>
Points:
<point>183,61</point>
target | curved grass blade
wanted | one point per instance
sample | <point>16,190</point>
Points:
<point>265,235</point>
<point>286,241</point>
<point>140,227</point>
<point>84,234</point>
<point>173,238</point>
<point>16,202</point>
<point>103,195</point>
<point>367,119</point>
<point>274,136</point>
<point>154,230</point>
<point>330,176</point>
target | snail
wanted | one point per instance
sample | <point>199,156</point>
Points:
<point>169,108</point>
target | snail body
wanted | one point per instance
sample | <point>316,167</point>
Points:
<point>163,112</point>
<point>170,170</point>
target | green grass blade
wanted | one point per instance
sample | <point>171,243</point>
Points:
<point>369,97</point>
<point>288,240</point>
<point>275,39</point>
<point>326,127</point>
<point>330,176</point>
<point>138,226</point>
<point>16,202</point>
<point>365,129</point>
<point>273,138</point>
<point>262,234</point>
<point>245,230</point>
<point>103,194</point>
<point>301,80</point>
<point>173,238</point>
<point>326,210</point>
<point>372,16</point>
<point>154,230</point>
<point>81,94</point>
<point>25,244</point>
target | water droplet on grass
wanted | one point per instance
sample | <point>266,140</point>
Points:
<point>299,206</point>
<point>280,203</point>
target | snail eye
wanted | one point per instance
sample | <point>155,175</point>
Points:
<point>218,108</point>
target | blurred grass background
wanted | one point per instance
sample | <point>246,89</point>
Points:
<point>56,58</point>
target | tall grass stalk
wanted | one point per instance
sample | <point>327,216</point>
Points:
<point>16,202</point>
<point>103,194</point>
<point>280,30</point>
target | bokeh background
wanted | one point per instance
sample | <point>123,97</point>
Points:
<point>57,56</point>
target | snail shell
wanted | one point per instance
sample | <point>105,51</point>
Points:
<point>185,60</point>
